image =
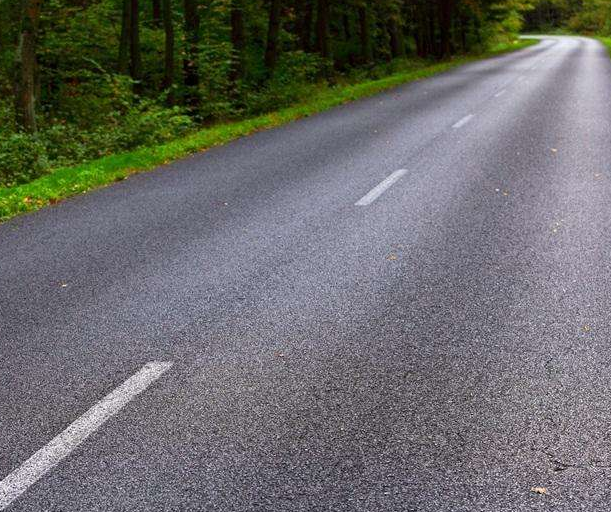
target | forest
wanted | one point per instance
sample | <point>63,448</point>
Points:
<point>81,79</point>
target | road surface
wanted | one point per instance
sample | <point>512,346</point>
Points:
<point>403,304</point>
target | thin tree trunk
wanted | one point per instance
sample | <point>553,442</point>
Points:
<point>238,41</point>
<point>322,29</point>
<point>25,67</point>
<point>346,27</point>
<point>433,50</point>
<point>445,27</point>
<point>397,44</point>
<point>168,28</point>
<point>190,65</point>
<point>135,52</point>
<point>271,49</point>
<point>305,22</point>
<point>157,13</point>
<point>364,33</point>
<point>123,60</point>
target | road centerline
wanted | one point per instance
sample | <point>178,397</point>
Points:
<point>463,121</point>
<point>382,187</point>
<point>45,459</point>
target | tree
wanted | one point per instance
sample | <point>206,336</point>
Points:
<point>238,41</point>
<point>134,45</point>
<point>271,49</point>
<point>156,14</point>
<point>304,24</point>
<point>190,61</point>
<point>26,66</point>
<point>446,11</point>
<point>322,29</point>
<point>124,40</point>
<point>168,28</point>
<point>364,33</point>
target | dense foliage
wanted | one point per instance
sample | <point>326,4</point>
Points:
<point>80,79</point>
<point>581,16</point>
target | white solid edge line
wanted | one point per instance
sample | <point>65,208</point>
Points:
<point>500,93</point>
<point>463,121</point>
<point>372,195</point>
<point>45,459</point>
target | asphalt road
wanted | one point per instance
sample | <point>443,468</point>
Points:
<point>253,329</point>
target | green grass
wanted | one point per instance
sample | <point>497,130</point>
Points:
<point>69,181</point>
<point>606,41</point>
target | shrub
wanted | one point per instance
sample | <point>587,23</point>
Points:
<point>144,124</point>
<point>22,158</point>
<point>292,81</point>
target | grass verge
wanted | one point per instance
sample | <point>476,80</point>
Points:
<point>606,41</point>
<point>69,181</point>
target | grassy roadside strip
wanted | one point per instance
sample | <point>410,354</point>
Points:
<point>69,181</point>
<point>606,41</point>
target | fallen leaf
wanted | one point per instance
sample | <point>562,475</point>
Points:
<point>539,490</point>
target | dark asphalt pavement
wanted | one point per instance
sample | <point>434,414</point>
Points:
<point>445,348</point>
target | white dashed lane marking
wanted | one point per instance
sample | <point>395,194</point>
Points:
<point>45,459</point>
<point>463,121</point>
<point>371,196</point>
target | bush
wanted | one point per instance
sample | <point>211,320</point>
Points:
<point>22,158</point>
<point>293,81</point>
<point>144,124</point>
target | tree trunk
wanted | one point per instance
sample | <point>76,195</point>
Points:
<point>238,41</point>
<point>271,49</point>
<point>157,13</point>
<point>419,31</point>
<point>396,39</point>
<point>433,47</point>
<point>346,27</point>
<point>463,33</point>
<point>25,67</point>
<point>190,65</point>
<point>322,29</point>
<point>123,60</point>
<point>135,53</point>
<point>305,25</point>
<point>168,28</point>
<point>445,27</point>
<point>364,33</point>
